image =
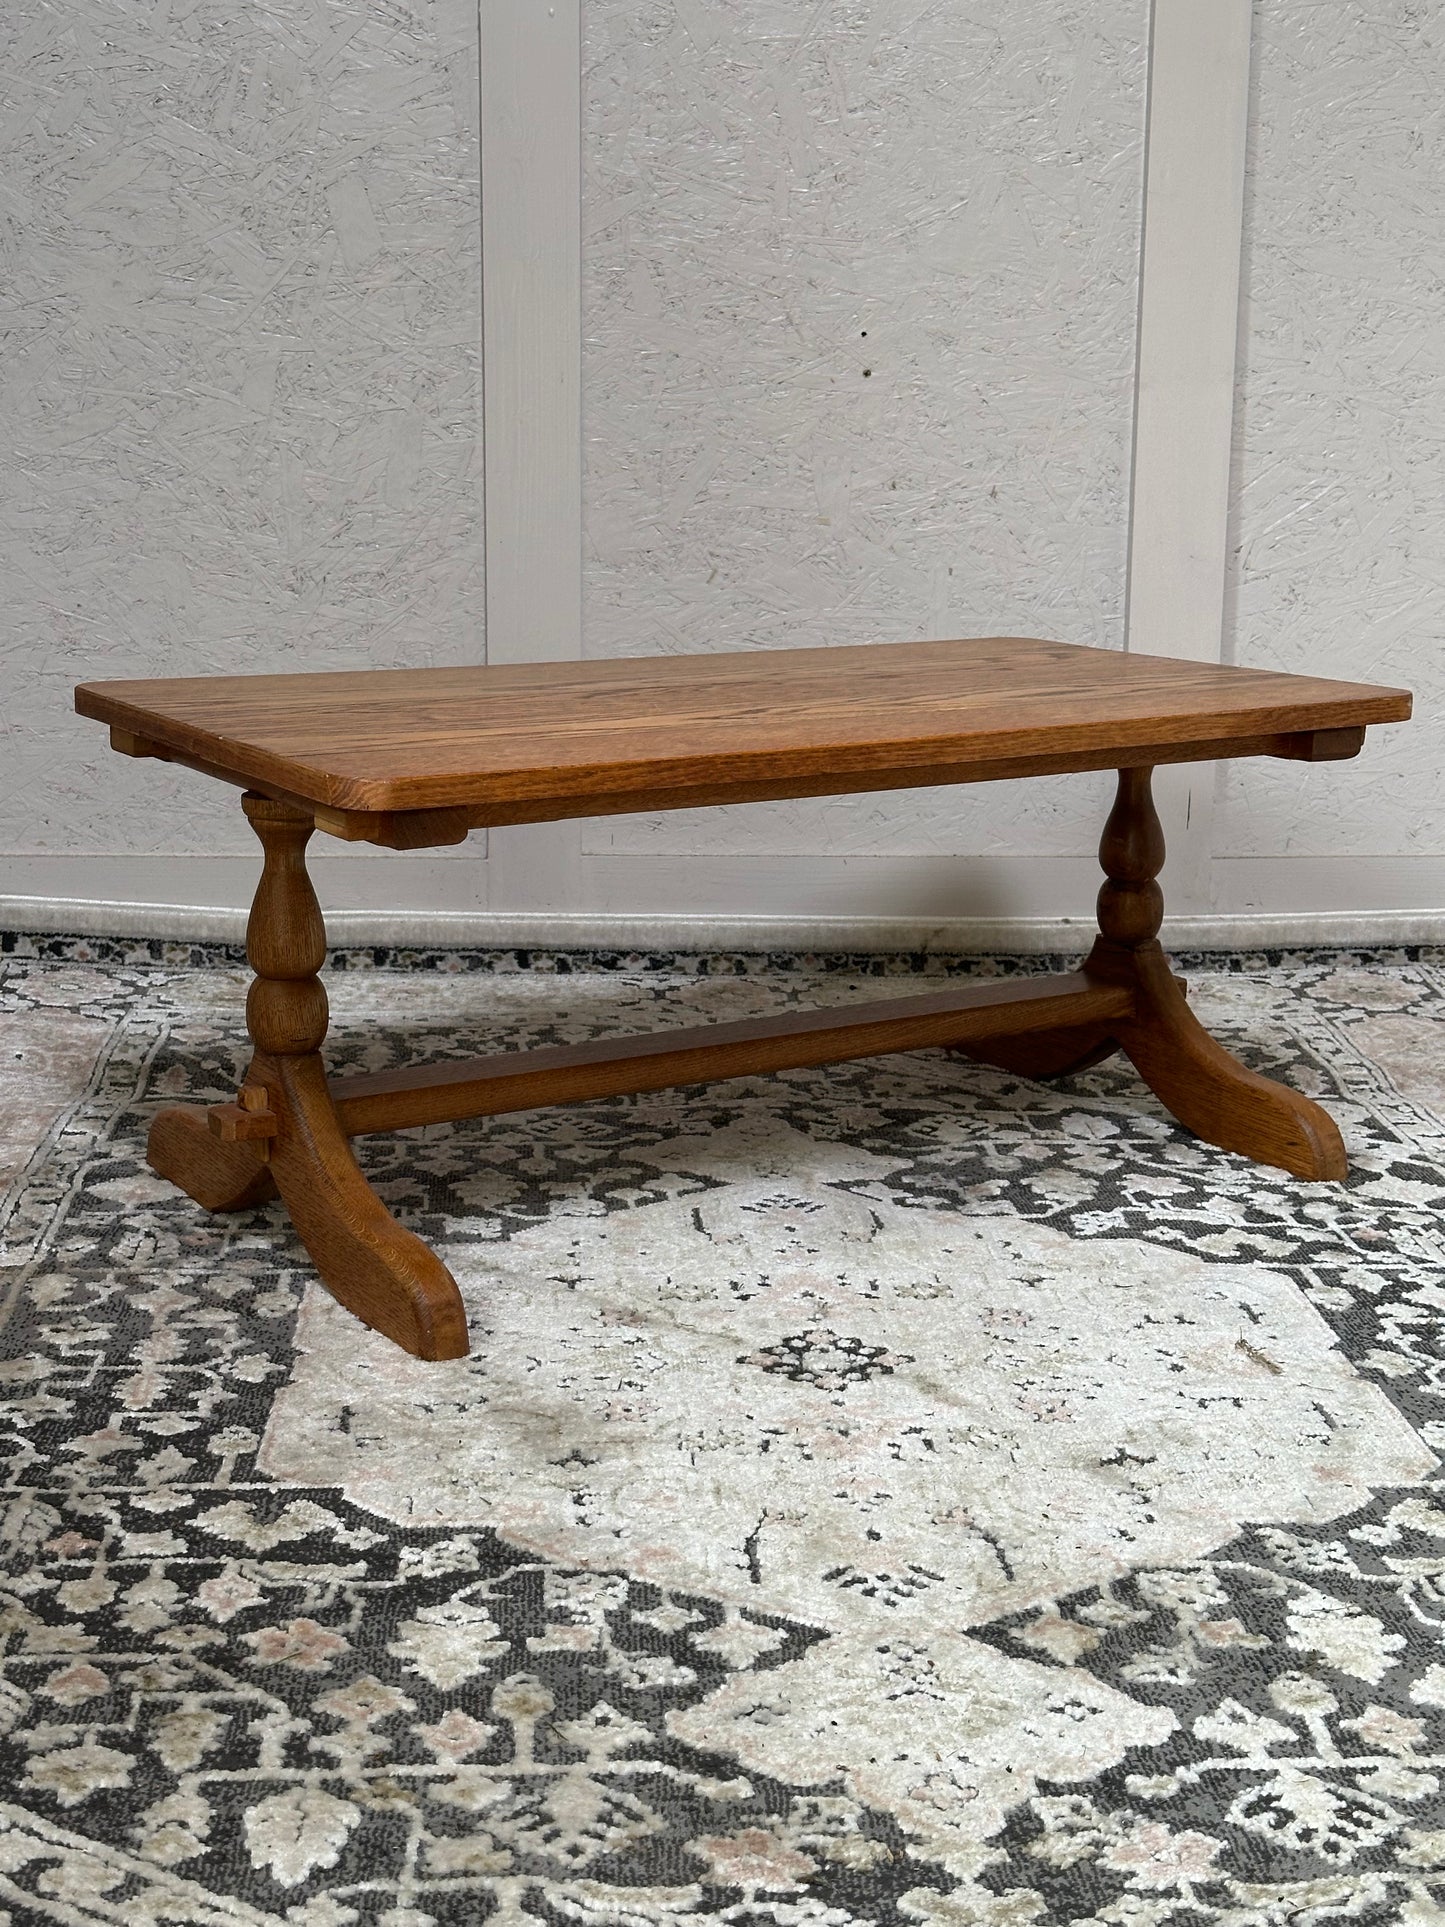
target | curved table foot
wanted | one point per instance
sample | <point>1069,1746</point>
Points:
<point>380,1271</point>
<point>1206,1088</point>
<point>222,1177</point>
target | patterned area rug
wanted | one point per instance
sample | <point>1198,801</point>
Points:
<point>895,1493</point>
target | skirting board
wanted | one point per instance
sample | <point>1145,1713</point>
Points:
<point>501,930</point>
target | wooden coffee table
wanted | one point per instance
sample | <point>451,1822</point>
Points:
<point>415,758</point>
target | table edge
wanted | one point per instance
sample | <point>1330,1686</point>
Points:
<point>741,769</point>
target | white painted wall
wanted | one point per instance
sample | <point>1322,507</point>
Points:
<point>1338,549</point>
<point>240,294</point>
<point>859,314</point>
<point>244,365</point>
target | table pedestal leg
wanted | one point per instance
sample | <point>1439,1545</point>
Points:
<point>1206,1088</point>
<point>383,1273</point>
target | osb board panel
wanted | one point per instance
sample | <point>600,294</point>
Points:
<point>239,251</point>
<point>859,305</point>
<point>1339,567</point>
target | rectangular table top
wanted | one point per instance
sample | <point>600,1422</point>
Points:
<point>519,741</point>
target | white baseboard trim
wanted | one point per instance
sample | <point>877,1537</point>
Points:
<point>501,930</point>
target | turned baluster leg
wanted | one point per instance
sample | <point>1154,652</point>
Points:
<point>286,1008</point>
<point>285,1136</point>
<point>1131,855</point>
<point>383,1273</point>
<point>1194,1076</point>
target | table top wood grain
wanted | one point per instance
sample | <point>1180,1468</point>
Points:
<point>530,740</point>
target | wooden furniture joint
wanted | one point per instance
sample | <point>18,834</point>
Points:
<point>413,759</point>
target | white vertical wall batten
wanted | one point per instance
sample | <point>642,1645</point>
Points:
<point>532,326</point>
<point>1195,141</point>
<point>531,100</point>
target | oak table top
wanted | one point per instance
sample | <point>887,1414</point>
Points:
<point>517,742</point>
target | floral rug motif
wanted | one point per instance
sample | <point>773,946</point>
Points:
<point>891,1493</point>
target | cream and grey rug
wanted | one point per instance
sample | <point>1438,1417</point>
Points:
<point>892,1493</point>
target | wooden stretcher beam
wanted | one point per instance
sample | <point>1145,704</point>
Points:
<point>617,1066</point>
<point>961,1016</point>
